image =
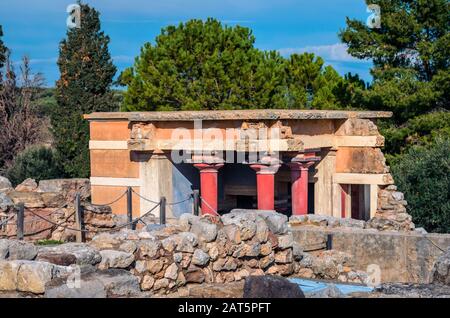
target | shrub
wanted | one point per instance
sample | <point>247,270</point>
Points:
<point>36,162</point>
<point>423,174</point>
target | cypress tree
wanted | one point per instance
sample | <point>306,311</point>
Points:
<point>84,86</point>
<point>2,50</point>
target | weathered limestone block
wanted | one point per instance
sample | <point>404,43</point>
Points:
<point>266,249</point>
<point>233,233</point>
<point>204,229</point>
<point>28,185</point>
<point>276,222</point>
<point>169,243</point>
<point>8,275</point>
<point>5,202</point>
<point>171,272</point>
<point>285,241</point>
<point>347,222</point>
<point>32,276</point>
<point>360,160</point>
<point>200,258</point>
<point>440,274</point>
<point>267,260</point>
<point>213,251</point>
<point>284,256</point>
<point>5,184</point>
<point>67,188</point>
<point>391,212</point>
<point>96,284</point>
<point>17,250</point>
<point>147,282</point>
<point>297,251</point>
<point>186,242</point>
<point>85,254</point>
<point>281,269</point>
<point>115,259</point>
<point>98,220</point>
<point>105,241</point>
<point>225,264</point>
<point>245,223</point>
<point>143,131</point>
<point>271,287</point>
<point>63,259</point>
<point>262,230</point>
<point>243,273</point>
<point>149,248</point>
<point>154,266</point>
<point>29,199</point>
<point>194,275</point>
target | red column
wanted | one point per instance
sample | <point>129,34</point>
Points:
<point>299,179</point>
<point>208,186</point>
<point>265,185</point>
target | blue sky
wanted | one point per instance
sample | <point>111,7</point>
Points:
<point>35,28</point>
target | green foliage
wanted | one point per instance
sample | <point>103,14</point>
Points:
<point>204,65</point>
<point>48,242</point>
<point>2,50</point>
<point>84,86</point>
<point>411,54</point>
<point>420,130</point>
<point>413,34</point>
<point>36,162</point>
<point>423,174</point>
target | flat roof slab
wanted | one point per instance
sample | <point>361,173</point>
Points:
<point>248,114</point>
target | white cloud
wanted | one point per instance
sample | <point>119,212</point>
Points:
<point>333,52</point>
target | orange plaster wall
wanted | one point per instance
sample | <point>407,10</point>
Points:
<point>113,163</point>
<point>109,130</point>
<point>312,127</point>
<point>360,160</point>
<point>106,194</point>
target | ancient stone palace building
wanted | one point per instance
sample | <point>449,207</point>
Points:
<point>293,161</point>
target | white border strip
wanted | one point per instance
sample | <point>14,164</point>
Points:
<point>363,178</point>
<point>108,144</point>
<point>118,182</point>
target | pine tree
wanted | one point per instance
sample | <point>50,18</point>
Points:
<point>84,86</point>
<point>205,65</point>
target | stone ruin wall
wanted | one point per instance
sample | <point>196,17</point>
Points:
<point>53,200</point>
<point>167,260</point>
<point>391,213</point>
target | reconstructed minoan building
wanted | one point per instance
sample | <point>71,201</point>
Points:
<point>293,161</point>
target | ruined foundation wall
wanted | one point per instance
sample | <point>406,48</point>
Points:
<point>402,257</point>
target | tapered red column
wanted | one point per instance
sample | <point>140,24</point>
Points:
<point>265,184</point>
<point>299,179</point>
<point>208,186</point>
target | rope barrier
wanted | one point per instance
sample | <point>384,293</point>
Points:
<point>209,206</point>
<point>97,231</point>
<point>179,202</point>
<point>6,221</point>
<point>156,202</point>
<point>144,198</point>
<point>112,202</point>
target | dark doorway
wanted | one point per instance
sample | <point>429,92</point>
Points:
<point>244,202</point>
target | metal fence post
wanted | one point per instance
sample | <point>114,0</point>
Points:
<point>162,210</point>
<point>20,221</point>
<point>132,226</point>
<point>329,242</point>
<point>196,202</point>
<point>79,219</point>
